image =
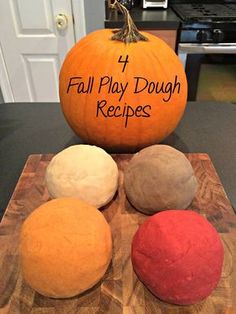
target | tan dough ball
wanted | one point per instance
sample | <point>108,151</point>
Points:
<point>65,248</point>
<point>159,177</point>
<point>83,171</point>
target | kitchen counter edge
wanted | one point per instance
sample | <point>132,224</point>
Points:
<point>145,19</point>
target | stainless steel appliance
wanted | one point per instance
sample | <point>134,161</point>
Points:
<point>207,34</point>
<point>155,4</point>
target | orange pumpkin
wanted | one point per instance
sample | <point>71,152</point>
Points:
<point>125,93</point>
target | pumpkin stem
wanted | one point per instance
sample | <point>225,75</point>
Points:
<point>129,32</point>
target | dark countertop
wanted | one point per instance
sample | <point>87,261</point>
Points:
<point>40,128</point>
<point>145,18</point>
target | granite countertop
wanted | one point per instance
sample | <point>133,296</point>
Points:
<point>40,128</point>
<point>157,18</point>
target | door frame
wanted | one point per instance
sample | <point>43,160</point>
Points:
<point>79,18</point>
<point>4,80</point>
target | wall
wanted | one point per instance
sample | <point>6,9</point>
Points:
<point>94,14</point>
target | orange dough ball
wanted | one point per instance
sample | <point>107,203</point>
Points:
<point>65,247</point>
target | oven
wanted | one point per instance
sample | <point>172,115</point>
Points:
<point>207,49</point>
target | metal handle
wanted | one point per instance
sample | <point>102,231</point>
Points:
<point>61,21</point>
<point>207,48</point>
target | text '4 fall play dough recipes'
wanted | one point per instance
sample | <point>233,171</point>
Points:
<point>107,85</point>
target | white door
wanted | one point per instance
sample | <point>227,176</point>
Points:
<point>33,47</point>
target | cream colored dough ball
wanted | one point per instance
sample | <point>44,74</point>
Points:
<point>85,172</point>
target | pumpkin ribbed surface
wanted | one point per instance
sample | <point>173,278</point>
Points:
<point>135,117</point>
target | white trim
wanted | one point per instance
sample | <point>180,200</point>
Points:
<point>79,18</point>
<point>4,80</point>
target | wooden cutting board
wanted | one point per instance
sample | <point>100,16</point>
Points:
<point>120,291</point>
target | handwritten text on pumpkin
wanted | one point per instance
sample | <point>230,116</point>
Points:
<point>105,85</point>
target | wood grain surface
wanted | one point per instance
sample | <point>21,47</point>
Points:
<point>168,35</point>
<point>120,291</point>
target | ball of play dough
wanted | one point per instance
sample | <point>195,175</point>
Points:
<point>65,247</point>
<point>83,171</point>
<point>178,255</point>
<point>159,177</point>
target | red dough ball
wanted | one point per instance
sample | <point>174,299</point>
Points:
<point>178,255</point>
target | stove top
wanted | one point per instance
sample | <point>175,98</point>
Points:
<point>200,12</point>
<point>209,23</point>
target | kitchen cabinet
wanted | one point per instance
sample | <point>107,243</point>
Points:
<point>169,36</point>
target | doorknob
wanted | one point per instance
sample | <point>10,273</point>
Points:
<point>61,21</point>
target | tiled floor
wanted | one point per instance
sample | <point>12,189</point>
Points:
<point>217,83</point>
